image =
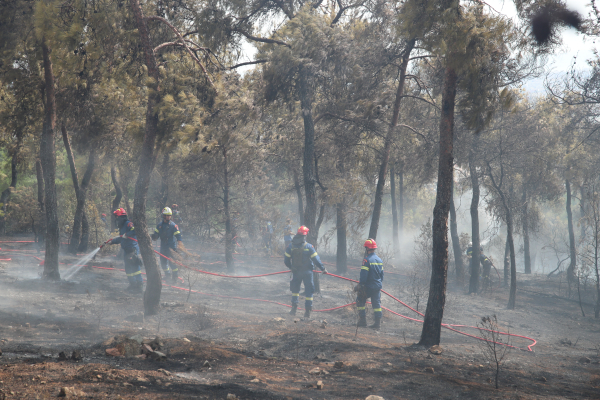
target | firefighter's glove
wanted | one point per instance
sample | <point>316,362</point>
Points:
<point>357,288</point>
<point>109,241</point>
<point>154,236</point>
<point>325,272</point>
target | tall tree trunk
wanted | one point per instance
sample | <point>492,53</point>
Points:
<point>164,185</point>
<point>572,250</point>
<point>319,221</point>
<point>395,242</point>
<point>299,195</point>
<point>76,231</point>
<point>432,324</point>
<point>582,219</point>
<point>476,246</point>
<point>5,197</point>
<point>341,255</point>
<point>85,233</point>
<point>388,141</point>
<point>147,161</point>
<point>81,243</point>
<point>506,263</point>
<point>117,200</point>
<point>401,204</point>
<point>513,262</point>
<point>308,169</point>
<point>526,232</point>
<point>40,233</point>
<point>48,159</point>
<point>458,257</point>
<point>228,235</point>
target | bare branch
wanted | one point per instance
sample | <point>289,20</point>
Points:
<point>343,9</point>
<point>422,99</point>
<point>261,40</point>
<point>248,63</point>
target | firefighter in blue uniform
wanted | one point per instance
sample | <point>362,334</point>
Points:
<point>299,258</point>
<point>130,251</point>
<point>168,233</point>
<point>370,285</point>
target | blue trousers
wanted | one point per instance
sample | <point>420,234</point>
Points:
<point>309,287</point>
<point>132,267</point>
<point>361,302</point>
<point>164,263</point>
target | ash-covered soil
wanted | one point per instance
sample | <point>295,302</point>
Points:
<point>218,346</point>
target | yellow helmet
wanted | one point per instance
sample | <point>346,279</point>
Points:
<point>167,211</point>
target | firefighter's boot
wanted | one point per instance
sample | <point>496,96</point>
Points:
<point>362,321</point>
<point>294,308</point>
<point>307,311</point>
<point>377,324</point>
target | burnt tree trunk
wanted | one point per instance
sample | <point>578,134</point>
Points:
<point>228,234</point>
<point>475,247</point>
<point>48,159</point>
<point>432,323</point>
<point>81,201</point>
<point>147,161</point>
<point>76,231</point>
<point>506,263</point>
<point>299,195</point>
<point>85,233</point>
<point>458,257</point>
<point>394,209</point>
<point>341,255</point>
<point>117,200</point>
<point>388,141</point>
<point>401,203</point>
<point>40,232</point>
<point>572,249</point>
<point>308,169</point>
<point>526,247</point>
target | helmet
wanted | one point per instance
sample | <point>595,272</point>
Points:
<point>104,215</point>
<point>167,211</point>
<point>370,244</point>
<point>175,206</point>
<point>120,212</point>
<point>303,230</point>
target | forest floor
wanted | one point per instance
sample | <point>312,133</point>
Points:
<point>219,347</point>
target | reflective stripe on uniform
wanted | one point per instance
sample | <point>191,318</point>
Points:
<point>372,263</point>
<point>360,308</point>
<point>308,298</point>
<point>177,233</point>
<point>314,255</point>
<point>156,230</point>
<point>377,309</point>
<point>135,273</point>
<point>288,255</point>
<point>175,269</point>
<point>295,294</point>
<point>364,267</point>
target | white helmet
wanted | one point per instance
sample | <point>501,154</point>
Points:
<point>167,211</point>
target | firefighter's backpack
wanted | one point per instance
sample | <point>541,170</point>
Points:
<point>297,253</point>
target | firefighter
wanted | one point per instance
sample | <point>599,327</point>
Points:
<point>169,235</point>
<point>130,251</point>
<point>299,258</point>
<point>287,233</point>
<point>103,219</point>
<point>370,285</point>
<point>267,235</point>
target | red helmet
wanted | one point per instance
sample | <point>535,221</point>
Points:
<point>370,244</point>
<point>104,215</point>
<point>120,212</point>
<point>303,230</point>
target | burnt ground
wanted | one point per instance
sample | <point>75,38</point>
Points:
<point>219,346</point>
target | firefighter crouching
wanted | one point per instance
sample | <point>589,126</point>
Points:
<point>370,285</point>
<point>168,233</point>
<point>299,258</point>
<point>130,251</point>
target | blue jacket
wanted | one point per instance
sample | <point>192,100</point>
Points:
<point>309,255</point>
<point>287,238</point>
<point>371,272</point>
<point>167,232</point>
<point>127,231</point>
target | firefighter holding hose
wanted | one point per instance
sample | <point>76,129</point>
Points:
<point>168,233</point>
<point>130,251</point>
<point>299,258</point>
<point>370,285</point>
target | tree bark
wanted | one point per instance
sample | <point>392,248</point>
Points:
<point>432,324</point>
<point>526,247</point>
<point>40,233</point>
<point>458,257</point>
<point>48,160</point>
<point>401,204</point>
<point>228,235</point>
<point>506,263</point>
<point>85,233</point>
<point>147,161</point>
<point>394,209</point>
<point>513,262</point>
<point>572,250</point>
<point>388,142</point>
<point>341,256</point>
<point>310,212</point>
<point>476,246</point>
<point>299,195</point>
<point>117,200</point>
